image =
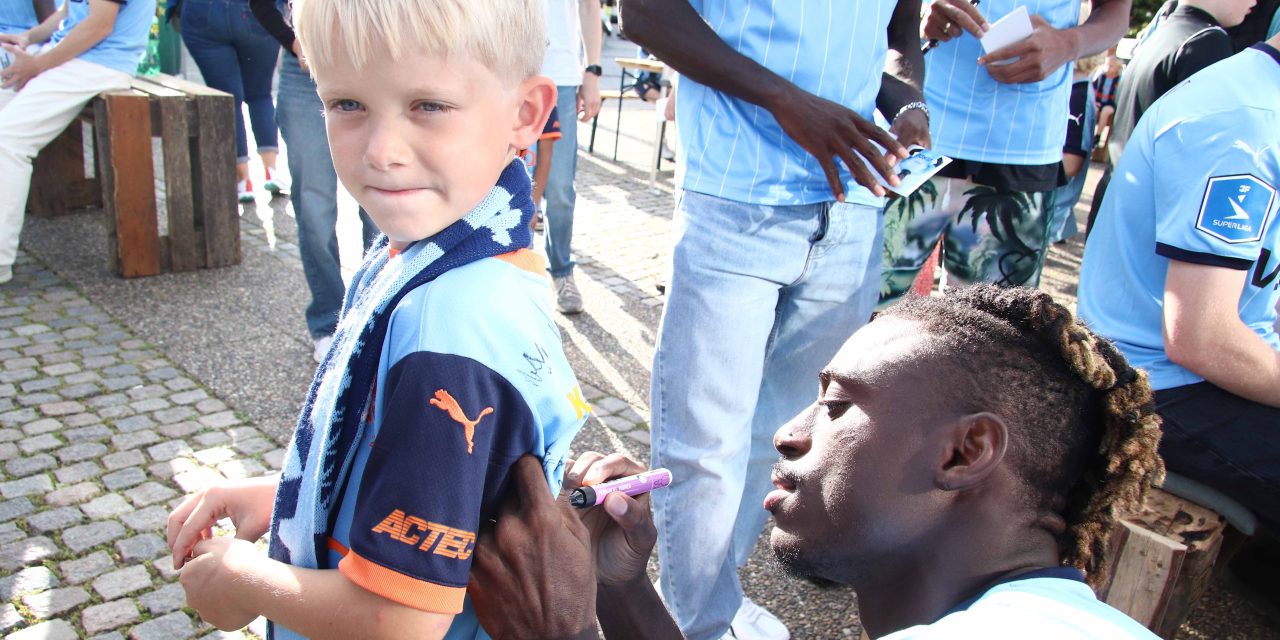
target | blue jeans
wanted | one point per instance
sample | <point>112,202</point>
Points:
<point>314,195</point>
<point>235,54</point>
<point>760,299</point>
<point>559,192</point>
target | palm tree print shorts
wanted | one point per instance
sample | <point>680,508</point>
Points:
<point>988,234</point>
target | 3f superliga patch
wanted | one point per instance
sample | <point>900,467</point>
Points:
<point>1236,209</point>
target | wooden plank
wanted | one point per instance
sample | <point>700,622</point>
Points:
<point>176,144</point>
<point>128,183</point>
<point>217,213</point>
<point>58,183</point>
<point>1144,574</point>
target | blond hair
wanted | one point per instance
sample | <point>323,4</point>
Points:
<point>506,36</point>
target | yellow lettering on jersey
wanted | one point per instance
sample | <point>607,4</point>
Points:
<point>579,405</point>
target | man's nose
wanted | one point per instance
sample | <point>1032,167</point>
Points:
<point>793,440</point>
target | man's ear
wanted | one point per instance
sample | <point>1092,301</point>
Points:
<point>975,446</point>
<point>535,99</point>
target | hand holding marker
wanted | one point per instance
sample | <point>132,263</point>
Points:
<point>584,497</point>
<point>933,42</point>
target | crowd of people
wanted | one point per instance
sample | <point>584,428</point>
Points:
<point>1037,429</point>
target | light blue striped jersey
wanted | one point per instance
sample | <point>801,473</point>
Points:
<point>16,16</point>
<point>835,49</point>
<point>976,118</point>
<point>122,49</point>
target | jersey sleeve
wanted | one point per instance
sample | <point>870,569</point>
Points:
<point>449,423</point>
<point>1214,194</point>
<point>1075,120</point>
<point>1199,51</point>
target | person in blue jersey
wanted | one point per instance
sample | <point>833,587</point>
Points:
<point>1075,152</point>
<point>19,15</point>
<point>446,366</point>
<point>981,510</point>
<point>1002,117</point>
<point>1181,272</point>
<point>84,48</point>
<point>777,251</point>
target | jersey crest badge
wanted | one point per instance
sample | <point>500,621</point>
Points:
<point>1236,209</point>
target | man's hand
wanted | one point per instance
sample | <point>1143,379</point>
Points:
<point>622,532</point>
<point>23,68</point>
<point>247,502</point>
<point>588,97</point>
<point>912,128</point>
<point>1038,55</point>
<point>829,131</point>
<point>211,580</point>
<point>947,19</point>
<point>532,576</point>
<point>20,40</point>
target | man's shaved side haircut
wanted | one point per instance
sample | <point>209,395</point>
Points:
<point>1082,422</point>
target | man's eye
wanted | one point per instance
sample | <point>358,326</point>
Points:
<point>834,407</point>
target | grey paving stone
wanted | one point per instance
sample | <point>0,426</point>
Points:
<point>124,478</point>
<point>61,369</point>
<point>64,408</point>
<point>8,450</point>
<point>212,438</point>
<point>171,468</point>
<point>97,362</point>
<point>125,369</point>
<point>617,424</point>
<point>108,506</point>
<point>176,625</point>
<point>220,420</point>
<point>15,508</point>
<point>169,450</point>
<point>179,384</point>
<point>254,446</point>
<point>163,373</point>
<point>188,397</point>
<point>177,414</point>
<point>21,363</point>
<point>123,459</point>
<point>149,493</point>
<point>50,630</point>
<point>30,580</point>
<point>180,429</point>
<point>212,405</point>
<point>30,329</point>
<point>197,479</point>
<point>214,455</point>
<point>78,472</point>
<point>73,494</point>
<point>9,617</point>
<point>82,570</point>
<point>122,582</point>
<point>608,404</point>
<point>77,391</point>
<point>152,518</point>
<point>54,519</point>
<point>80,420</point>
<point>10,435</point>
<point>26,486</point>
<point>43,442</point>
<point>165,599</point>
<point>25,552</point>
<point>91,433</point>
<point>40,384</point>
<point>274,459</point>
<point>83,377</point>
<point>10,532</point>
<point>135,439</point>
<point>108,616</point>
<point>242,468</point>
<point>150,404</point>
<point>116,413</point>
<point>141,547</point>
<point>126,382</point>
<point>87,536</point>
<point>18,376</point>
<point>109,400</point>
<point>82,451</point>
<point>47,604</point>
<point>23,467</point>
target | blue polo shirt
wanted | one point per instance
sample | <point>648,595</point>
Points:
<point>835,49</point>
<point>122,50</point>
<point>1197,184</point>
<point>16,16</point>
<point>974,117</point>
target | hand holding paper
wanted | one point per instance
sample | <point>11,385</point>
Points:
<point>1024,57</point>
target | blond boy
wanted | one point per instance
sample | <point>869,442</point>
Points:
<point>446,366</point>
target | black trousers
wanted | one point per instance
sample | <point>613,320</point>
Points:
<point>1226,442</point>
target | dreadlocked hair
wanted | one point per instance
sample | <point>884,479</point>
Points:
<point>1083,427</point>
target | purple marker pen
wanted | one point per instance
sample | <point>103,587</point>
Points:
<point>584,497</point>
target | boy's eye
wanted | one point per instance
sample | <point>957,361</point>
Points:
<point>344,105</point>
<point>431,107</point>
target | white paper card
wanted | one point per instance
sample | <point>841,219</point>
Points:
<point>915,170</point>
<point>1014,27</point>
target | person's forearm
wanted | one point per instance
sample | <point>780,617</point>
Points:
<point>1072,163</point>
<point>634,611</point>
<point>677,35</point>
<point>43,31</point>
<point>1232,357</point>
<point>269,17</point>
<point>589,15</point>
<point>1106,24</point>
<point>80,39</point>
<point>325,604</point>
<point>903,80</point>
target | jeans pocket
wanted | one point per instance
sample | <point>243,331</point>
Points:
<point>195,17</point>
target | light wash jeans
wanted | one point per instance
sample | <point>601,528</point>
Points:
<point>760,299</point>
<point>314,194</point>
<point>29,120</point>
<point>560,194</point>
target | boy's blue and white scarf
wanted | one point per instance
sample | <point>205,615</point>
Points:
<point>332,420</point>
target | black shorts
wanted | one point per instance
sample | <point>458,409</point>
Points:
<point>1226,442</point>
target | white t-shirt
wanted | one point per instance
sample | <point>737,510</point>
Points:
<point>564,60</point>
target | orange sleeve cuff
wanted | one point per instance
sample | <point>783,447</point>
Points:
<point>398,587</point>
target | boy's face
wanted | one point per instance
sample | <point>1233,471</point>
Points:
<point>420,141</point>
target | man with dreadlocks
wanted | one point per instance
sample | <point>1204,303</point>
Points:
<point>978,509</point>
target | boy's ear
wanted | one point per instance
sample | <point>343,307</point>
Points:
<point>535,97</point>
<point>973,447</point>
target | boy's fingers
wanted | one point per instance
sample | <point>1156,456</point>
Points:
<point>178,517</point>
<point>582,464</point>
<point>609,468</point>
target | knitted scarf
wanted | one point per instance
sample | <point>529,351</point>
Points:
<point>332,420</point>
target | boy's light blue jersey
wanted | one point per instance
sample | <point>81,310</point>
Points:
<point>16,16</point>
<point>735,150</point>
<point>974,117</point>
<point>123,48</point>
<point>1197,184</point>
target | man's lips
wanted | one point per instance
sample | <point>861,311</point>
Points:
<point>784,486</point>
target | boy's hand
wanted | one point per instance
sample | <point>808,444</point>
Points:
<point>247,502</point>
<point>622,532</point>
<point>20,40</point>
<point>212,581</point>
<point>23,68</point>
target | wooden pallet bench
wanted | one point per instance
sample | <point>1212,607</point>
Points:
<point>196,127</point>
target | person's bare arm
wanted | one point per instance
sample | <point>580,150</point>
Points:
<point>1072,164</point>
<point>678,36</point>
<point>1048,48</point>
<point>230,583</point>
<point>37,34</point>
<point>589,92</point>
<point>1203,332</point>
<point>903,79</point>
<point>82,37</point>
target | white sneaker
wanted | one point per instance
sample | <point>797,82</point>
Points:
<point>322,345</point>
<point>753,622</point>
<point>6,273</point>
